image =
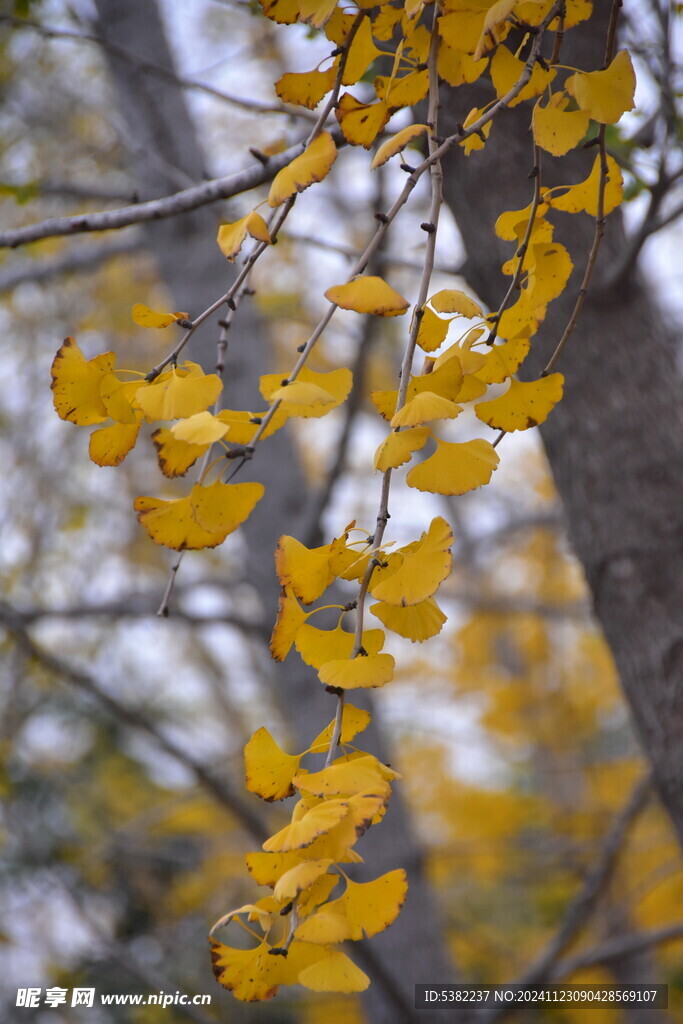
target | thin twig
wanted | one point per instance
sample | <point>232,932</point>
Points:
<point>600,214</point>
<point>624,945</point>
<point>251,106</point>
<point>584,902</point>
<point>156,209</point>
<point>85,260</point>
<point>523,249</point>
<point>82,681</point>
<point>436,178</point>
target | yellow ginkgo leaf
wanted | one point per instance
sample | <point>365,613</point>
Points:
<point>267,868</point>
<point>306,88</point>
<point>175,457</point>
<point>532,12</point>
<point>313,165</point>
<point>550,268</point>
<point>243,425</point>
<point>477,139</point>
<point>495,16</point>
<point>460,27</point>
<point>201,429</point>
<point>203,519</point>
<point>450,300</point>
<point>432,330</point>
<point>506,70</point>
<point>143,316</point>
<point>368,294</point>
<point>76,384</point>
<point>300,877</point>
<point>396,143</point>
<point>318,891</point>
<point>558,130</point>
<point>306,570</point>
<point>317,646</point>
<point>455,468</point>
<point>512,224</point>
<point>406,91</point>
<point>469,359</point>
<point>285,12</point>
<point>416,570</point>
<point>255,974</point>
<point>358,673</point>
<point>457,67</point>
<point>354,720</point>
<point>525,404</point>
<point>361,123</point>
<point>445,381</point>
<point>424,407</point>
<point>250,974</point>
<point>415,622</point>
<point>119,398</point>
<point>253,911</point>
<point>348,777</point>
<point>290,618</point>
<point>362,53</point>
<point>110,445</point>
<point>328,925</point>
<point>584,195</point>
<point>398,446</point>
<point>231,236</point>
<point>269,770</point>
<point>605,94</point>
<point>316,12</point>
<point>313,823</point>
<point>334,973</point>
<point>337,843</point>
<point>503,360</point>
<point>521,319</point>
<point>311,394</point>
<point>366,907</point>
<point>179,393</point>
<point>304,397</point>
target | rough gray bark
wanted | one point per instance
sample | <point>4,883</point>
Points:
<point>163,147</point>
<point>615,443</point>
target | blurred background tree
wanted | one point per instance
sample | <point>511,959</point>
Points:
<point>533,842</point>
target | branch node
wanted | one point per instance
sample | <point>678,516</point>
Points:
<point>259,155</point>
<point>232,304</point>
<point>382,218</point>
<point>407,168</point>
<point>428,227</point>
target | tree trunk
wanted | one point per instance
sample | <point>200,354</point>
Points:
<point>615,443</point>
<point>163,147</point>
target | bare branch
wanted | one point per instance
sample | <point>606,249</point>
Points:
<point>137,606</point>
<point>382,258</point>
<point>617,948</point>
<point>155,209</point>
<point>252,106</point>
<point>78,679</point>
<point>584,902</point>
<point>84,260</point>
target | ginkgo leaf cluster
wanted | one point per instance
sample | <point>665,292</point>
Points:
<point>384,56</point>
